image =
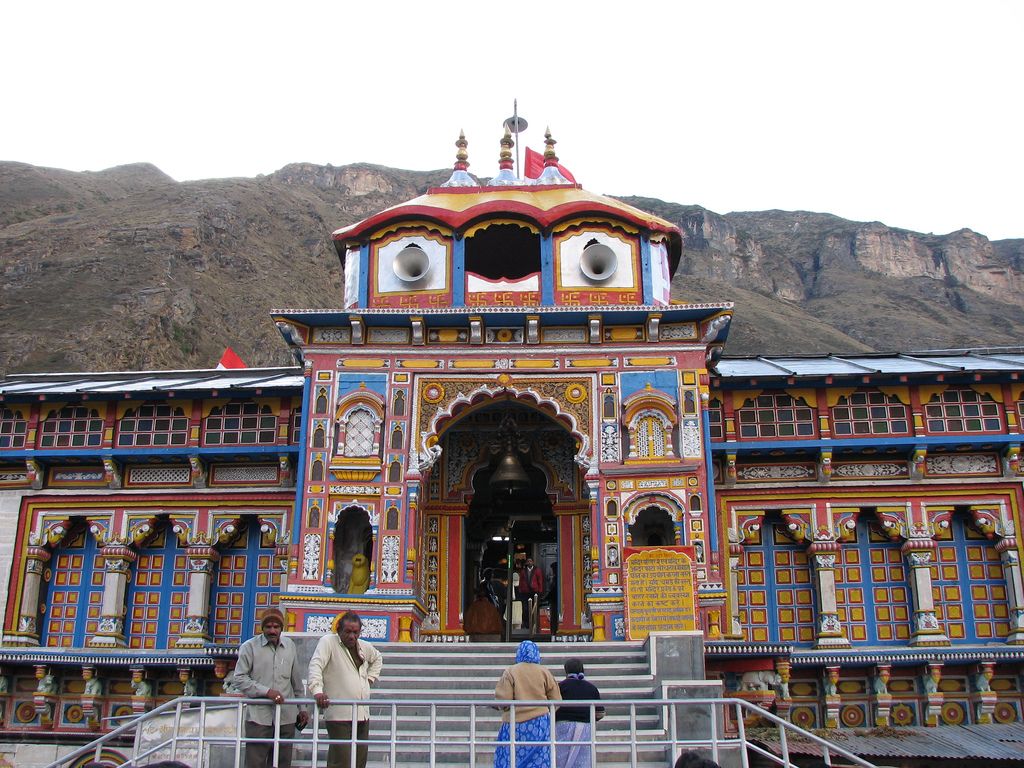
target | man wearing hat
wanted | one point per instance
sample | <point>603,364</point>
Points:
<point>268,668</point>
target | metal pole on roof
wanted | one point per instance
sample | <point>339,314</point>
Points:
<point>516,125</point>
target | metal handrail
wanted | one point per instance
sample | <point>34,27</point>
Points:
<point>450,734</point>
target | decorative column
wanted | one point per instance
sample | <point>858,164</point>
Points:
<point>27,632</point>
<point>202,560</point>
<point>1010,558</point>
<point>932,695</point>
<point>927,630</point>
<point>832,701</point>
<point>735,550</point>
<point>117,562</point>
<point>783,702</point>
<point>883,699</point>
<point>189,681</point>
<point>983,696</point>
<point>830,630</point>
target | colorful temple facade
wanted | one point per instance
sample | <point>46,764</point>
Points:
<point>508,378</point>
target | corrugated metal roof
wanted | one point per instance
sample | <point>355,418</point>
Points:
<point>831,365</point>
<point>149,381</point>
<point>954,742</point>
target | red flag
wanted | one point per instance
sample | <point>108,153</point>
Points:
<point>535,166</point>
<point>230,360</point>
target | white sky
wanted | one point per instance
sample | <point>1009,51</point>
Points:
<point>899,111</point>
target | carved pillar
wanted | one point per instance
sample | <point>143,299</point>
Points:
<point>932,695</point>
<point>783,702</point>
<point>189,681</point>
<point>1010,557</point>
<point>735,550</point>
<point>27,632</point>
<point>201,563</point>
<point>830,631</point>
<point>832,701</point>
<point>883,699</point>
<point>117,561</point>
<point>983,696</point>
<point>927,630</point>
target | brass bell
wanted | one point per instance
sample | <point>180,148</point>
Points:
<point>509,474</point>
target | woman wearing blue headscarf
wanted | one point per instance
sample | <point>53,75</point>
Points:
<point>526,680</point>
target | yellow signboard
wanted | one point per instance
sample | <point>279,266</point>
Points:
<point>660,593</point>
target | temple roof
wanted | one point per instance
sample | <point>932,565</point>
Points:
<point>460,207</point>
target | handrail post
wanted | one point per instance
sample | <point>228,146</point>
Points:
<point>472,736</point>
<point>394,736</point>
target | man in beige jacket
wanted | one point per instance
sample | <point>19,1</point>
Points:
<point>344,667</point>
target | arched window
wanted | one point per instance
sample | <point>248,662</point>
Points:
<point>963,411</point>
<point>13,428</point>
<point>391,519</point>
<point>240,422</point>
<point>360,428</point>
<point>776,415</point>
<point>869,413</point>
<point>395,472</point>
<point>609,406</point>
<point>313,519</point>
<point>398,404</point>
<point>316,471</point>
<point>321,400</point>
<point>73,426</point>
<point>653,528</point>
<point>319,436</point>
<point>650,438</point>
<point>397,438</point>
<point>156,424</point>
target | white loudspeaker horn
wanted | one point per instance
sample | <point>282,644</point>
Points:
<point>598,261</point>
<point>411,263</point>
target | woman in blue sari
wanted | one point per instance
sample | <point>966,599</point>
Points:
<point>526,680</point>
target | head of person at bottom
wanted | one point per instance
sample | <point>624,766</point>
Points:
<point>350,626</point>
<point>695,760</point>
<point>272,625</point>
<point>528,651</point>
<point>573,668</point>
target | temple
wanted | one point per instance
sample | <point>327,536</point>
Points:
<point>507,379</point>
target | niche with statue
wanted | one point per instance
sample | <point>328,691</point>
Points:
<point>353,551</point>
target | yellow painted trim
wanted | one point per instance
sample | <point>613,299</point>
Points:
<point>474,364</point>
<point>534,364</point>
<point>740,397</point>
<point>995,391</point>
<point>432,230</point>
<point>900,393</point>
<point>590,362</point>
<point>419,363</point>
<point>832,395</point>
<point>639,361</point>
<point>363,363</point>
<point>588,221</point>
<point>810,396</point>
<point>517,222</point>
<point>1016,390</point>
<point>926,393</point>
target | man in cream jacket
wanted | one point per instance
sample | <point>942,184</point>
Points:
<point>344,667</point>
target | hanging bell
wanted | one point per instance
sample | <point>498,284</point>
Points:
<point>509,473</point>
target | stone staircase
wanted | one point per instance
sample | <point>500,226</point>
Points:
<point>469,671</point>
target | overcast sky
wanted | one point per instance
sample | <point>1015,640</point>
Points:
<point>909,113</point>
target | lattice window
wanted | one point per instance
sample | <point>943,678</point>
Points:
<point>716,419</point>
<point>74,426</point>
<point>359,433</point>
<point>246,583</point>
<point>776,415</point>
<point>650,438</point>
<point>153,424</point>
<point>871,581</point>
<point>869,413</point>
<point>776,593</point>
<point>75,593</point>
<point>152,595</point>
<point>241,423</point>
<point>963,410</point>
<point>13,428</point>
<point>968,585</point>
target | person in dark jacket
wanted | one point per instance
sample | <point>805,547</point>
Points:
<point>573,723</point>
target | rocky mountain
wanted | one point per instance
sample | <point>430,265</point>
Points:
<point>129,269</point>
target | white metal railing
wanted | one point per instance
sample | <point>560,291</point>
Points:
<point>639,733</point>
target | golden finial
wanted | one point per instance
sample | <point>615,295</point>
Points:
<point>459,177</point>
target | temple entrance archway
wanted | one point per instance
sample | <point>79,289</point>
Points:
<point>492,529</point>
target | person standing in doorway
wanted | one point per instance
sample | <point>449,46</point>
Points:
<point>531,584</point>
<point>552,598</point>
<point>344,667</point>
<point>268,668</point>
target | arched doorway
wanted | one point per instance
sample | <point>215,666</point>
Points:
<point>501,525</point>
